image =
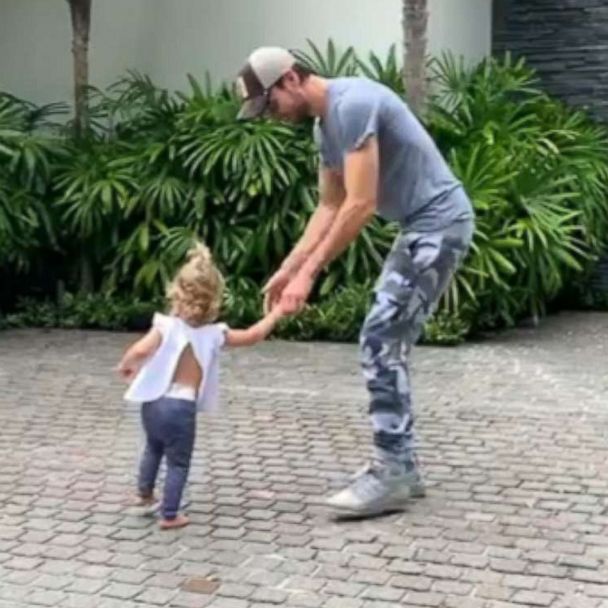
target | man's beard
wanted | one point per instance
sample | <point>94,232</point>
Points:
<point>300,112</point>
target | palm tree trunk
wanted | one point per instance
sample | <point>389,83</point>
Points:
<point>415,21</point>
<point>80,12</point>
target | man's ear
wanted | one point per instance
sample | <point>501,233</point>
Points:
<point>291,79</point>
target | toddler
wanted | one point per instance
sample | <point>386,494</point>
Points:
<point>173,372</point>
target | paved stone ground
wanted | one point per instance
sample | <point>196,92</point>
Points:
<point>514,443</point>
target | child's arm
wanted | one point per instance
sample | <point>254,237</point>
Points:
<point>135,356</point>
<point>257,332</point>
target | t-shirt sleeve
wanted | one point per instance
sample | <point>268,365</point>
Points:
<point>161,322</point>
<point>220,331</point>
<point>324,156</point>
<point>358,118</point>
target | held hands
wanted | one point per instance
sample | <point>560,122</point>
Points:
<point>297,292</point>
<point>288,291</point>
<point>274,288</point>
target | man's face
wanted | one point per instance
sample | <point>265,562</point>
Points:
<point>286,100</point>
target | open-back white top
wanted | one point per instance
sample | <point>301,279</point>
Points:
<point>155,377</point>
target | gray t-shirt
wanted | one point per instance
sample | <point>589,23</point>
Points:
<point>416,186</point>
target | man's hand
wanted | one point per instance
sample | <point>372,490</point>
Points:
<point>274,288</point>
<point>296,293</point>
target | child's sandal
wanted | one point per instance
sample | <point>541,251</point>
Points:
<point>177,522</point>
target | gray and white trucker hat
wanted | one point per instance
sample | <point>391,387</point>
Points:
<point>264,68</point>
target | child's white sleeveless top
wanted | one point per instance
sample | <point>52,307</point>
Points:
<point>156,375</point>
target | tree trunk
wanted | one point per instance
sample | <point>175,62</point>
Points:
<point>80,11</point>
<point>87,282</point>
<point>415,20</point>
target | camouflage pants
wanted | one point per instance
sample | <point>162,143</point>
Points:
<point>416,272</point>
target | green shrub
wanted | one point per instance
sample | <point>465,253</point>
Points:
<point>84,311</point>
<point>116,211</point>
<point>150,180</point>
<point>28,150</point>
<point>537,174</point>
<point>445,329</point>
<point>337,317</point>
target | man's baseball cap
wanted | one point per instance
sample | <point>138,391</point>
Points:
<point>264,68</point>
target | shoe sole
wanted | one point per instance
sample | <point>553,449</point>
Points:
<point>384,508</point>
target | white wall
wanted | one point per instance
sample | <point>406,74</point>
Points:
<point>461,26</point>
<point>169,38</point>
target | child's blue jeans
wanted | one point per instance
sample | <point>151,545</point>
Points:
<point>170,426</point>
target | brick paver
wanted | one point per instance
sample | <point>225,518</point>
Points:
<point>514,443</point>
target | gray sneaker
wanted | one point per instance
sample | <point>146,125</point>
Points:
<point>378,489</point>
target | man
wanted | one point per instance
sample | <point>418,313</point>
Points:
<point>375,158</point>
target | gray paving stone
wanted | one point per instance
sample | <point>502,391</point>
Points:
<point>548,570</point>
<point>492,591</point>
<point>45,597</point>
<point>511,444</point>
<point>533,598</point>
<point>94,571</point>
<point>447,587</point>
<point>370,577</point>
<point>161,565</point>
<point>465,602</point>
<point>364,561</point>
<point>79,600</point>
<point>236,590</point>
<point>383,593</point>
<point>170,580</point>
<point>190,600</point>
<point>157,596</point>
<point>263,578</point>
<point>518,581</point>
<point>89,586</point>
<point>29,550</point>
<point>225,602</point>
<point>17,593</point>
<point>122,590</point>
<point>269,596</point>
<point>508,565</point>
<point>343,602</point>
<point>48,581</point>
<point>22,563</point>
<point>20,577</point>
<point>347,589</point>
<point>131,576</point>
<point>306,599</point>
<point>423,599</point>
<point>57,566</point>
<point>443,572</point>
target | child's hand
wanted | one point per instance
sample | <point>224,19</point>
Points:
<point>257,332</point>
<point>278,311</point>
<point>127,372</point>
<point>137,354</point>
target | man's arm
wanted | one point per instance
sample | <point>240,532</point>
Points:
<point>331,196</point>
<point>361,185</point>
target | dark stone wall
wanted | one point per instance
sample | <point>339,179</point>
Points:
<point>565,40</point>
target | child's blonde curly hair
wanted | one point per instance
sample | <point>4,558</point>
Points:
<point>196,292</point>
